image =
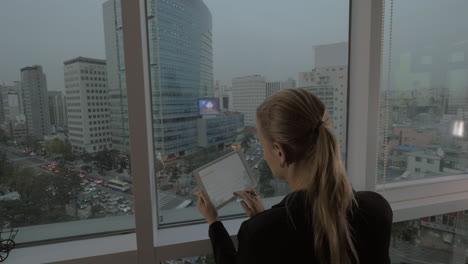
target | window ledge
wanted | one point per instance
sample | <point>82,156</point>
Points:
<point>76,250</point>
<point>425,197</point>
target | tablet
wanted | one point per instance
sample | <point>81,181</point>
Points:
<point>221,177</point>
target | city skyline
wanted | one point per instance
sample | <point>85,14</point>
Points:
<point>71,43</point>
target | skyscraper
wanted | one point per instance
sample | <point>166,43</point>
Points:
<point>117,88</point>
<point>330,85</point>
<point>181,69</point>
<point>57,110</point>
<point>271,88</point>
<point>248,93</point>
<point>35,101</point>
<point>87,103</point>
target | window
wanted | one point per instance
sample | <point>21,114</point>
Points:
<point>422,240</point>
<point>422,89</point>
<point>56,198</point>
<point>179,144</point>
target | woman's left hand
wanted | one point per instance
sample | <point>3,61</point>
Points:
<point>206,208</point>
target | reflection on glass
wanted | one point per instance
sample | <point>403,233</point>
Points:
<point>433,239</point>
<point>208,75</point>
<point>424,98</point>
<point>63,127</point>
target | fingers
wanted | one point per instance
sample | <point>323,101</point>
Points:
<point>247,208</point>
<point>244,195</point>
<point>252,191</point>
<point>200,201</point>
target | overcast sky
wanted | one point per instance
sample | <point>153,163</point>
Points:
<point>274,38</point>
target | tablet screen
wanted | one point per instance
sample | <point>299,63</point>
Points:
<point>224,176</point>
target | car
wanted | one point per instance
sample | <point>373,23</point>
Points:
<point>95,196</point>
<point>99,181</point>
<point>90,179</point>
<point>124,208</point>
<point>256,166</point>
<point>92,184</point>
<point>247,157</point>
<point>82,206</point>
<point>113,210</point>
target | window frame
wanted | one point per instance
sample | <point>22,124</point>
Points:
<point>409,199</point>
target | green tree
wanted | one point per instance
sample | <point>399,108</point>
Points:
<point>86,157</point>
<point>57,146</point>
<point>6,170</point>
<point>95,210</point>
<point>4,137</point>
<point>106,159</point>
<point>248,137</point>
<point>402,231</point>
<point>32,143</point>
<point>201,157</point>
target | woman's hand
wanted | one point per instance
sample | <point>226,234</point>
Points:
<point>206,208</point>
<point>252,203</point>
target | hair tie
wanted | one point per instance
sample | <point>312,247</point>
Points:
<point>319,124</point>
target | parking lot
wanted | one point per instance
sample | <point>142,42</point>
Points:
<point>105,201</point>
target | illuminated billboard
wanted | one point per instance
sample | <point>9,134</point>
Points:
<point>208,106</point>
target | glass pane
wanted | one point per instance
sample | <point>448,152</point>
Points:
<point>201,50</point>
<point>424,95</point>
<point>64,161</point>
<point>428,240</point>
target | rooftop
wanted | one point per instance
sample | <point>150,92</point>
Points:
<point>86,60</point>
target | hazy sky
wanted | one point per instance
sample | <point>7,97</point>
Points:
<point>274,38</point>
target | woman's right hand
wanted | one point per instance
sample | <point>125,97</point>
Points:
<point>252,202</point>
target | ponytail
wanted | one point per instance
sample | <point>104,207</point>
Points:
<point>330,195</point>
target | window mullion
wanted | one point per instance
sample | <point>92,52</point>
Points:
<point>364,79</point>
<point>140,123</point>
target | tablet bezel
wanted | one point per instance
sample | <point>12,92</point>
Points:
<point>196,174</point>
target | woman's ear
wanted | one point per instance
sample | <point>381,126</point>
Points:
<point>280,152</point>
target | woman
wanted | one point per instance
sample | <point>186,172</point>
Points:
<point>323,220</point>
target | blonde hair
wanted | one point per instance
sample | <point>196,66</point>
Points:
<point>293,118</point>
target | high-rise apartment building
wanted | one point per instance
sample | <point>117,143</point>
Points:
<point>35,101</point>
<point>290,83</point>
<point>330,85</point>
<point>11,102</point>
<point>248,93</point>
<point>181,69</point>
<point>331,55</point>
<point>117,88</point>
<point>271,88</point>
<point>57,110</point>
<point>87,103</point>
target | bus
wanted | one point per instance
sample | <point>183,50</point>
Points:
<point>118,185</point>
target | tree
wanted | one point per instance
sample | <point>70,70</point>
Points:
<point>106,159</point>
<point>32,142</point>
<point>201,157</point>
<point>57,146</point>
<point>4,137</point>
<point>95,210</point>
<point>86,157</point>
<point>402,231</point>
<point>6,170</point>
<point>248,137</point>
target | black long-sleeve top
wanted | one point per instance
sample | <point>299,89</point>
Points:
<point>283,234</point>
